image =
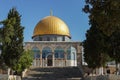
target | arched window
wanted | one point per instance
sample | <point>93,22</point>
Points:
<point>46,51</point>
<point>36,52</point>
<point>59,52</point>
<point>71,53</point>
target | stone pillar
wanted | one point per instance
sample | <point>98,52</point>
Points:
<point>35,62</point>
<point>40,59</point>
<point>65,57</point>
<point>79,55</point>
<point>46,62</point>
<point>53,59</point>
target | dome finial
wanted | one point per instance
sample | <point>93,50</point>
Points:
<point>51,12</point>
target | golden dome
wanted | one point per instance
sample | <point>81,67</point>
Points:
<point>51,25</point>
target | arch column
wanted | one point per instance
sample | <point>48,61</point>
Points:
<point>53,59</point>
<point>65,58</point>
<point>41,59</point>
<point>36,60</point>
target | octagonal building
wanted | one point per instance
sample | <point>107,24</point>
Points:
<point>52,44</point>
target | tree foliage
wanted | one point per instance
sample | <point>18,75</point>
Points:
<point>24,62</point>
<point>105,13</point>
<point>114,49</point>
<point>95,47</point>
<point>2,65</point>
<point>0,37</point>
<point>12,38</point>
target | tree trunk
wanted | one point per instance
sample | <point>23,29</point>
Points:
<point>21,75</point>
<point>8,73</point>
<point>117,68</point>
<point>101,71</point>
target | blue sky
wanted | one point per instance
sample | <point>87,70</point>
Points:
<point>32,11</point>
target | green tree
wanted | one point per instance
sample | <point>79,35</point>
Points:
<point>0,36</point>
<point>95,47</point>
<point>0,42</point>
<point>114,49</point>
<point>106,14</point>
<point>2,64</point>
<point>12,38</point>
<point>24,62</point>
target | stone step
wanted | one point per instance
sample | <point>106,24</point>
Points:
<point>34,78</point>
<point>54,73</point>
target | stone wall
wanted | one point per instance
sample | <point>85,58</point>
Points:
<point>13,77</point>
<point>3,77</point>
<point>103,77</point>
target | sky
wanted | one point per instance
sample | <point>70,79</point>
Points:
<point>32,11</point>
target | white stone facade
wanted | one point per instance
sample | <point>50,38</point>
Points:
<point>55,54</point>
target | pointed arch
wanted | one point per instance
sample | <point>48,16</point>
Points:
<point>71,53</point>
<point>46,51</point>
<point>36,52</point>
<point>59,52</point>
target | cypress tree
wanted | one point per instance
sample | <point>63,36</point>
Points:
<point>12,38</point>
<point>95,47</point>
<point>106,14</point>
